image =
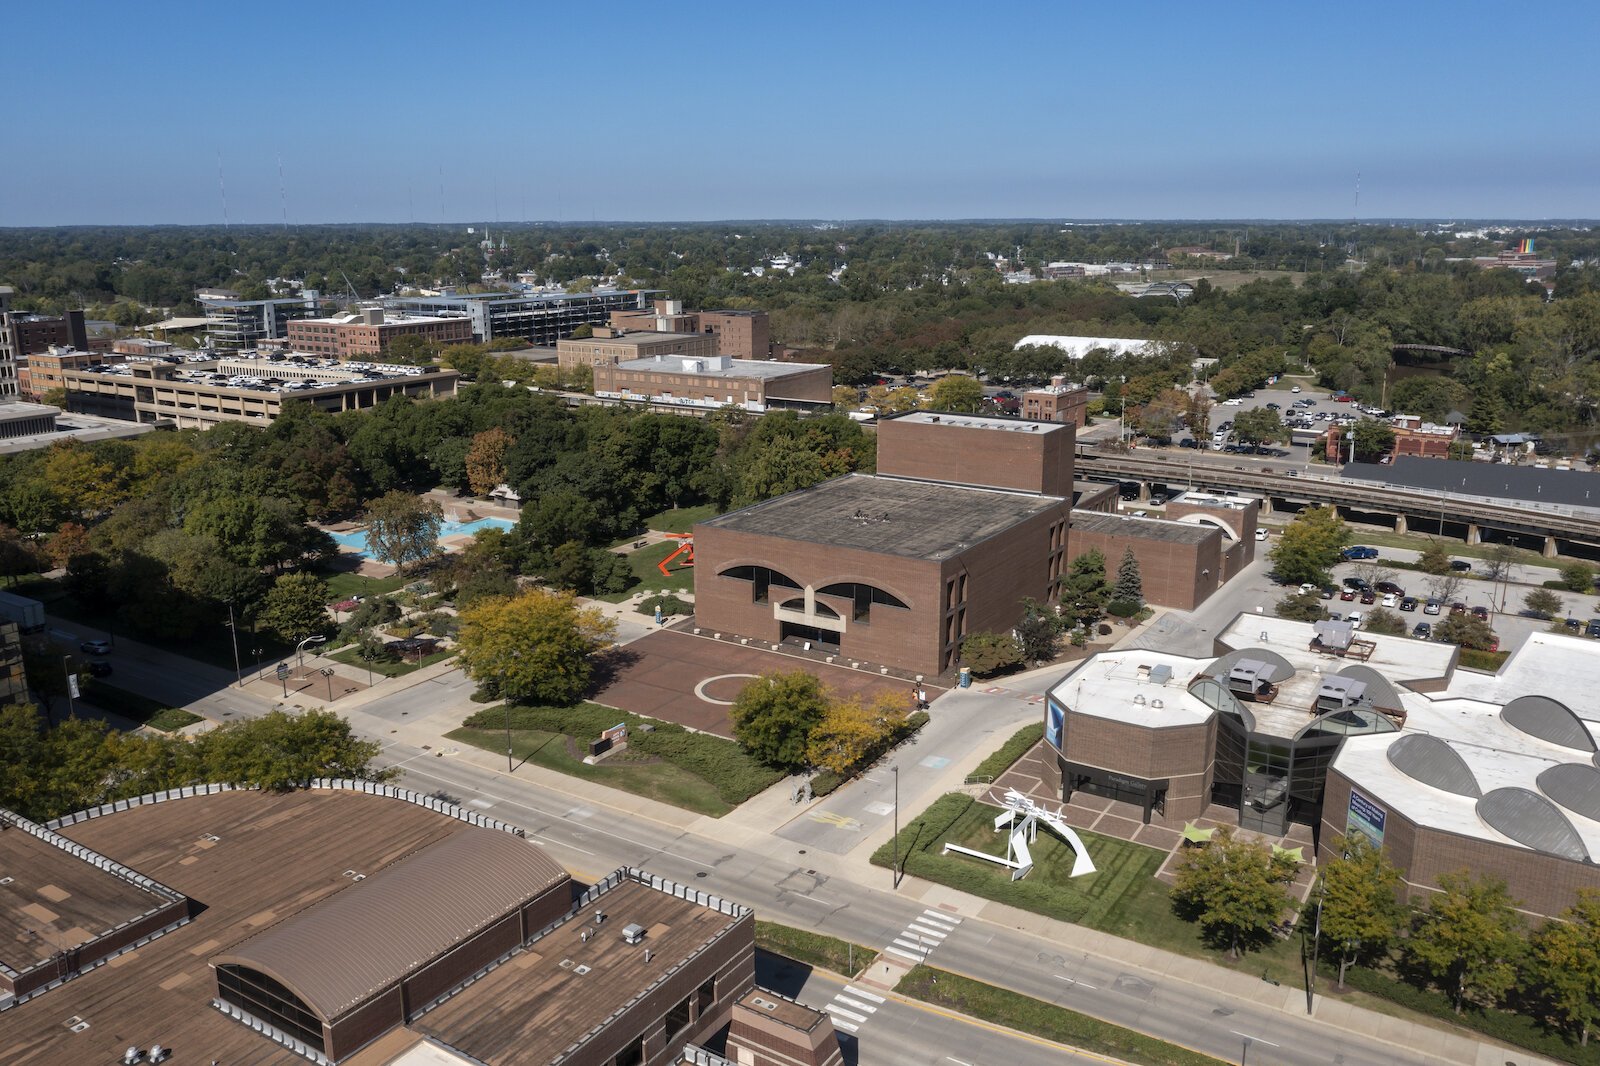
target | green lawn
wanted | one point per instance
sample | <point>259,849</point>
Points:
<point>1025,1014</point>
<point>1122,897</point>
<point>130,705</point>
<point>680,520</point>
<point>172,719</point>
<point>660,781</point>
<point>813,949</point>
<point>394,668</point>
<point>664,761</point>
<point>346,584</point>
<point>648,579</point>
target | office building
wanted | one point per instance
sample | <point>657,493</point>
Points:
<point>739,334</point>
<point>539,318</point>
<point>1058,401</point>
<point>250,324</point>
<point>713,381</point>
<point>47,370</point>
<point>23,334</point>
<point>368,334</point>
<point>613,346</point>
<point>406,930</point>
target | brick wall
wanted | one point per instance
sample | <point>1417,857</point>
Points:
<point>1000,458</point>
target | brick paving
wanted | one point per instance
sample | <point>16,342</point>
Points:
<point>658,676</point>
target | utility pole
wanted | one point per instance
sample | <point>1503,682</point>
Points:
<point>894,871</point>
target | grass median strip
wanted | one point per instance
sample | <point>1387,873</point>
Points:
<point>813,949</point>
<point>1014,1010</point>
<point>1007,754</point>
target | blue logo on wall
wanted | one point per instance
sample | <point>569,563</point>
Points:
<point>1054,722</point>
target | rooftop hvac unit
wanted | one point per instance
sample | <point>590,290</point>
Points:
<point>632,933</point>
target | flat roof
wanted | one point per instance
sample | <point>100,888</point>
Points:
<point>1124,686</point>
<point>1120,525</point>
<point>1556,664</point>
<point>13,409</point>
<point>535,1006</point>
<point>226,851</point>
<point>959,421</point>
<point>765,369</point>
<point>892,516</point>
<point>634,337</point>
<point>52,900</point>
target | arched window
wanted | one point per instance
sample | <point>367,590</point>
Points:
<point>761,578</point>
<point>799,604</point>
<point>862,597</point>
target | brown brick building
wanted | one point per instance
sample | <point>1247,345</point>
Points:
<point>1057,402</point>
<point>48,370</point>
<point>1319,725</point>
<point>609,346</point>
<point>712,381</point>
<point>23,335</point>
<point>366,336</point>
<point>739,334</point>
<point>370,943</point>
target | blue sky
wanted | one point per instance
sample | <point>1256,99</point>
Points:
<point>683,111</point>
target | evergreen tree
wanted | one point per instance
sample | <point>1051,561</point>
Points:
<point>1130,586</point>
<point>1084,589</point>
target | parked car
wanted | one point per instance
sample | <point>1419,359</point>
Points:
<point>1574,626</point>
<point>1368,596</point>
<point>1432,607</point>
<point>1329,592</point>
<point>1347,595</point>
<point>1354,618</point>
<point>1360,551</point>
<point>99,668</point>
<point>1408,603</point>
<point>1307,588</point>
<point>1390,588</point>
<point>1294,388</point>
<point>1390,601</point>
<point>1235,402</point>
<point>1460,565</point>
<point>1261,534</point>
<point>1593,628</point>
<point>95,647</point>
<point>1481,613</point>
<point>1458,608</point>
<point>1188,442</point>
<point>1157,499</point>
<point>1355,583</point>
<point>1423,630</point>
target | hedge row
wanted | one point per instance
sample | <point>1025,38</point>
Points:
<point>1021,742</point>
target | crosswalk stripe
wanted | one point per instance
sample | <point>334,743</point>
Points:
<point>929,930</point>
<point>940,917</point>
<point>903,954</point>
<point>842,998</point>
<point>914,945</point>
<point>839,1024</point>
<point>854,991</point>
<point>836,1010</point>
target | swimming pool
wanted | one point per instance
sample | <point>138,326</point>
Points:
<point>356,539</point>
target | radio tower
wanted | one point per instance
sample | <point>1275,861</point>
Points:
<point>283,193</point>
<point>223,189</point>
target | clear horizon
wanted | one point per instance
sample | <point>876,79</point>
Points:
<point>165,116</point>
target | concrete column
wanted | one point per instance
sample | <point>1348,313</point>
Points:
<point>1472,534</point>
<point>1266,503</point>
<point>1549,547</point>
<point>1400,522</point>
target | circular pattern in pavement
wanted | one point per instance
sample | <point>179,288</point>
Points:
<point>703,687</point>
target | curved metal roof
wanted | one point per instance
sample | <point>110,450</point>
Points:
<point>365,937</point>
<point>1380,690</point>
<point>1424,757</point>
<point>1549,720</point>
<point>1221,668</point>
<point>1575,786</point>
<point>1529,818</point>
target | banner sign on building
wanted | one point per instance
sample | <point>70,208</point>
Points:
<point>1365,817</point>
<point>1055,718</point>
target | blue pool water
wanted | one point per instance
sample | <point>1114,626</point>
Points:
<point>357,538</point>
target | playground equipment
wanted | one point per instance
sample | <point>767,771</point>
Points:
<point>685,549</point>
<point>1023,816</point>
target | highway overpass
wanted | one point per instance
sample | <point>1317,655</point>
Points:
<point>1547,528</point>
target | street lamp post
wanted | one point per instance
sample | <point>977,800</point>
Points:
<point>894,872</point>
<point>233,635</point>
<point>66,668</point>
<point>1316,945</point>
<point>300,650</point>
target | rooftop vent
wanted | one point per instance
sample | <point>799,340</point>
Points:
<point>632,933</point>
<point>1160,674</point>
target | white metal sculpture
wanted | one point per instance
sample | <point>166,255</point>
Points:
<point>1023,816</point>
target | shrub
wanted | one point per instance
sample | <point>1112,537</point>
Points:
<point>987,654</point>
<point>667,602</point>
<point>1021,742</point>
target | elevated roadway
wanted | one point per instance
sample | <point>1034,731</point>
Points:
<point>1555,528</point>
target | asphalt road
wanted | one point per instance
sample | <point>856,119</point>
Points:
<point>789,884</point>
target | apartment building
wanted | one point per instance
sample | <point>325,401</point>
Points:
<point>712,381</point>
<point>614,346</point>
<point>368,334</point>
<point>740,334</point>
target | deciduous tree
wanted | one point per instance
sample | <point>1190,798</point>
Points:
<point>535,647</point>
<point>1566,955</point>
<point>1470,938</point>
<point>955,392</point>
<point>1466,630</point>
<point>1373,440</point>
<point>1234,889</point>
<point>403,528</point>
<point>1543,602</point>
<point>296,607</point>
<point>1434,559</point>
<point>486,460</point>
<point>774,715</point>
<point>852,730</point>
<point>987,654</point>
<point>1309,546</point>
<point>1362,912</point>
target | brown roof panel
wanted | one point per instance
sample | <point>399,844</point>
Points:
<point>339,952</point>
